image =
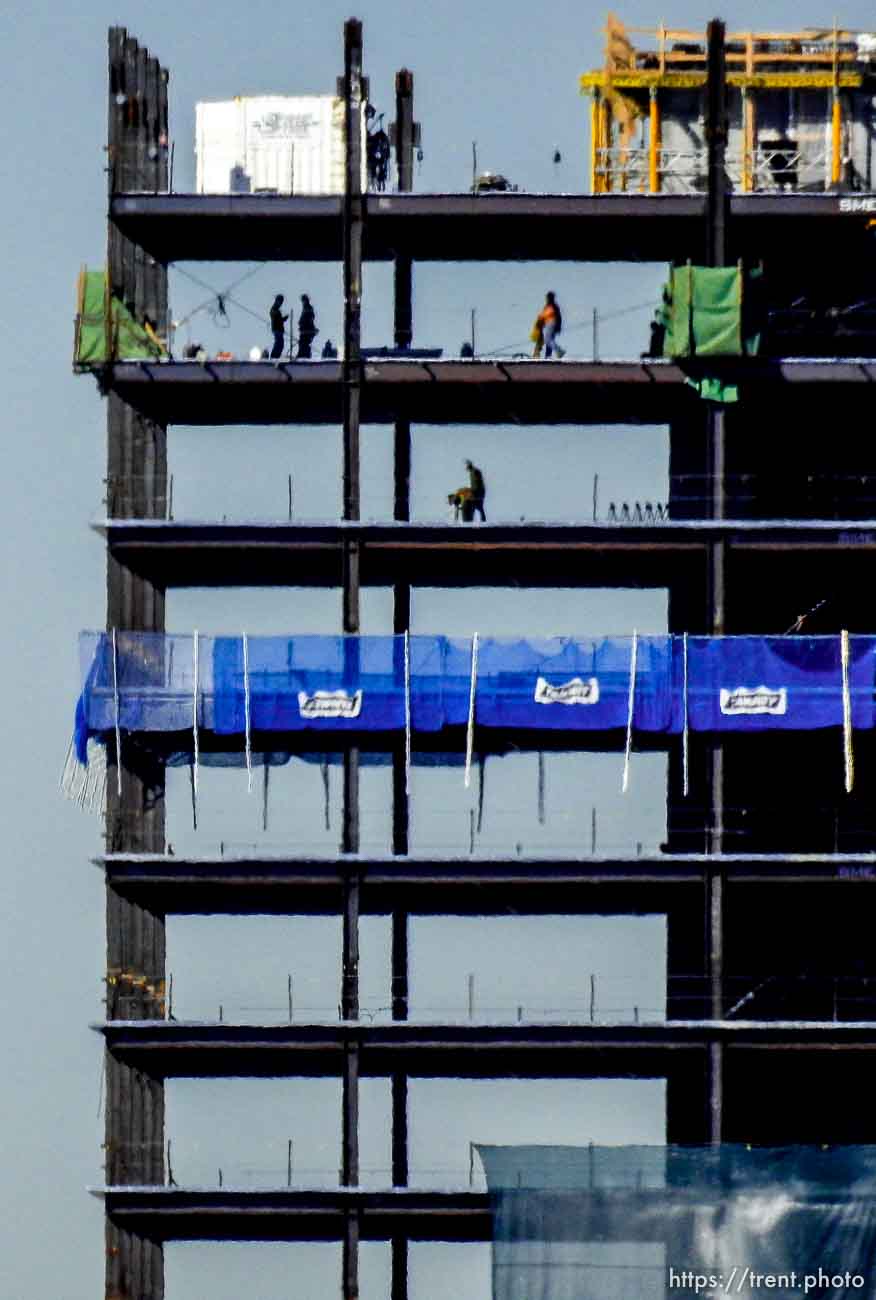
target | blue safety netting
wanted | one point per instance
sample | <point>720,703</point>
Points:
<point>343,683</point>
<point>329,685</point>
<point>644,1223</point>
<point>563,684</point>
<point>753,683</point>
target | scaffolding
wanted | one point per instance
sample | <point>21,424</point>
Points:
<point>799,106</point>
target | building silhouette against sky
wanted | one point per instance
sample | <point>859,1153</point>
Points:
<point>764,876</point>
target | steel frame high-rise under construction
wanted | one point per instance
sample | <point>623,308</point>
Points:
<point>768,867</point>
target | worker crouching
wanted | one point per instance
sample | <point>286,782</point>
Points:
<point>462,506</point>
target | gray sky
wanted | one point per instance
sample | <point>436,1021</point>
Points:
<point>503,72</point>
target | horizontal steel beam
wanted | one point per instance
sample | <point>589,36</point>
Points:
<point>470,1050</point>
<point>428,227</point>
<point>182,554</point>
<point>436,392</point>
<point>483,227</point>
<point>454,886</point>
<point>482,391</point>
<point>179,1214</point>
<point>281,1214</point>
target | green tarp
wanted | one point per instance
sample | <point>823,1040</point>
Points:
<point>714,390</point>
<point>703,316</point>
<point>106,330</point>
<point>704,312</point>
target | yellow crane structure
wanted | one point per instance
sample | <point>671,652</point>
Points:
<point>801,110</point>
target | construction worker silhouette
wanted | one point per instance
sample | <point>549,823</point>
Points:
<point>550,318</point>
<point>278,327</point>
<point>478,492</point>
<point>307,330</point>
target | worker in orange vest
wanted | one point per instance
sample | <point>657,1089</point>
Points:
<point>461,501</point>
<point>550,321</point>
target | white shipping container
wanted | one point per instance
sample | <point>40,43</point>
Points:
<point>274,144</point>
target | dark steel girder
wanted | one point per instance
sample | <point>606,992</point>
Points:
<point>484,391</point>
<point>179,1214</point>
<point>175,1049</point>
<point>455,886</point>
<point>184,554</point>
<point>485,227</point>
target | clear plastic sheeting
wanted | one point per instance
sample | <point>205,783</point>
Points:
<point>636,1223</point>
<point>326,684</point>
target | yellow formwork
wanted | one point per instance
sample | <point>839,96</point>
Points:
<point>816,60</point>
<point>645,79</point>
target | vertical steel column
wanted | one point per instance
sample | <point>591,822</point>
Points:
<point>400,964</point>
<point>403,132</point>
<point>401,611</point>
<point>403,326</point>
<point>715,919</point>
<point>399,1078</point>
<point>400,801</point>
<point>399,1282</point>
<point>402,462</point>
<point>399,1285</point>
<point>350,1083</point>
<point>130,160</point>
<point>350,797</point>
<point>136,488</point>
<point>350,1125</point>
<point>136,447</point>
<point>350,1011</point>
<point>353,217</point>
<point>399,1129</point>
<point>350,1265</point>
<point>352,377</point>
<point>406,130</point>
<point>354,212</point>
<point>716,255</point>
<point>716,145</point>
<point>350,942</point>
